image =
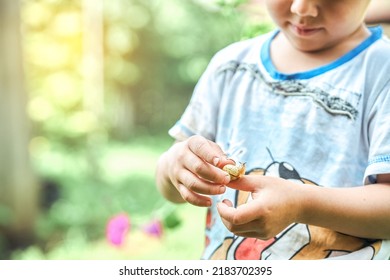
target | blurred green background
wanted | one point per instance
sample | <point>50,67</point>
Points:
<point>88,91</point>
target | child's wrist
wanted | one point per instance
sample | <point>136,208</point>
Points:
<point>304,202</point>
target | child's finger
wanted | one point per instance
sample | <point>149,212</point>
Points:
<point>226,211</point>
<point>237,216</point>
<point>206,171</point>
<point>194,198</point>
<point>227,202</point>
<point>245,183</point>
<point>197,185</point>
<point>207,151</point>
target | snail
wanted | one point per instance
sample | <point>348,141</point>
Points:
<point>235,170</point>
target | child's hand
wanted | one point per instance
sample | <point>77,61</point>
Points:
<point>274,207</point>
<point>195,169</point>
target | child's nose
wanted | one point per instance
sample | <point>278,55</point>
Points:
<point>304,8</point>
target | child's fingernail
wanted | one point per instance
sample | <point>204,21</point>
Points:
<point>225,202</point>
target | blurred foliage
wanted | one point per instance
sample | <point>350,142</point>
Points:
<point>96,162</point>
<point>154,52</point>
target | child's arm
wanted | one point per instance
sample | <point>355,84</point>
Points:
<point>189,171</point>
<point>361,211</point>
<point>378,12</point>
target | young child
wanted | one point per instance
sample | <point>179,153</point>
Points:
<point>307,108</point>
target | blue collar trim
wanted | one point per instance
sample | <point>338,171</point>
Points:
<point>376,33</point>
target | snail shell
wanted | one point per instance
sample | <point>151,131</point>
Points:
<point>235,171</point>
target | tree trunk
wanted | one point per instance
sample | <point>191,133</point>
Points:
<point>18,186</point>
<point>93,57</point>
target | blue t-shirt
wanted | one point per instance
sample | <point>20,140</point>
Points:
<point>327,127</point>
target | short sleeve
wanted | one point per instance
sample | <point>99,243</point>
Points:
<point>379,137</point>
<point>201,115</point>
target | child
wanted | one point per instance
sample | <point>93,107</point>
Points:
<point>307,108</point>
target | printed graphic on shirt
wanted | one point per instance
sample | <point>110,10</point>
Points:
<point>298,241</point>
<point>336,105</point>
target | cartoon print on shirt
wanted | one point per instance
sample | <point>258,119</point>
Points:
<point>298,241</point>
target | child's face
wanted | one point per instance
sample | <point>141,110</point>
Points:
<point>315,25</point>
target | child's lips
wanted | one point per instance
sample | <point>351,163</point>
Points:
<point>304,30</point>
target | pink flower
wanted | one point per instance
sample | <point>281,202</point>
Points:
<point>154,228</point>
<point>117,228</point>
